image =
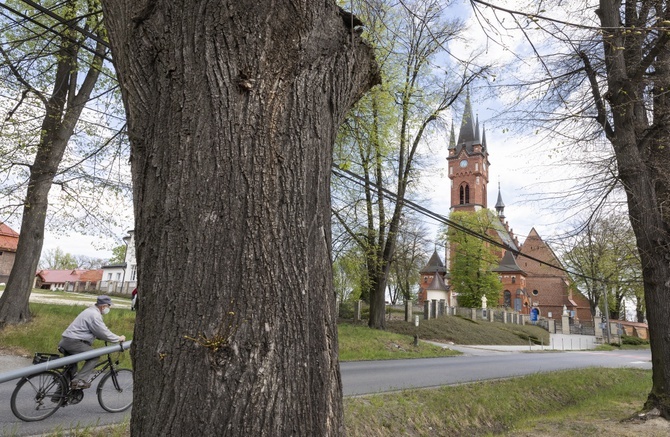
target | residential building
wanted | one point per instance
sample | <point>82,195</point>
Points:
<point>121,277</point>
<point>9,241</point>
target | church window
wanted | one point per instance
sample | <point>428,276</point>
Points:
<point>513,279</point>
<point>451,170</point>
<point>476,166</point>
<point>464,194</point>
<point>535,292</point>
<point>508,299</point>
<point>477,180</point>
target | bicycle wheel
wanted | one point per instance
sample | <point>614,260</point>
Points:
<point>115,391</point>
<point>38,396</point>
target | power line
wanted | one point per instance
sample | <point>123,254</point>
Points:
<point>58,33</point>
<point>353,177</point>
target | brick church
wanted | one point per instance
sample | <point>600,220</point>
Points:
<point>530,282</point>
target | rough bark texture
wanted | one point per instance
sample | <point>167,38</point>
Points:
<point>643,158</point>
<point>232,111</point>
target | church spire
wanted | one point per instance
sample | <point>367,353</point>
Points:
<point>500,206</point>
<point>452,137</point>
<point>483,138</point>
<point>467,133</point>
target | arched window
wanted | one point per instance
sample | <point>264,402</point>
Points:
<point>464,192</point>
<point>508,299</point>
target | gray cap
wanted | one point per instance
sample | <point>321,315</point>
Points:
<point>104,300</point>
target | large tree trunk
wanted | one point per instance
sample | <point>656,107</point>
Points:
<point>643,160</point>
<point>233,108</point>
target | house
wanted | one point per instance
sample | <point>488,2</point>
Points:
<point>432,286</point>
<point>122,277</point>
<point>9,241</point>
<point>68,280</point>
<point>533,278</point>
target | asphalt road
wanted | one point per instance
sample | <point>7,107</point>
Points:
<point>360,378</point>
<point>364,377</point>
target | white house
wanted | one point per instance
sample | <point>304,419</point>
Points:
<point>121,278</point>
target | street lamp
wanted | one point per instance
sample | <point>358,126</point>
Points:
<point>606,314</point>
<point>126,240</point>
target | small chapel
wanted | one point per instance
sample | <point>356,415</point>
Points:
<point>532,284</point>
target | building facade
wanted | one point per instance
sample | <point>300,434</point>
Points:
<point>532,276</point>
<point>9,241</point>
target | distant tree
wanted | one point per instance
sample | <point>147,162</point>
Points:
<point>348,275</point>
<point>56,259</point>
<point>86,262</point>
<point>602,80</point>
<point>52,67</point>
<point>604,254</point>
<point>382,136</point>
<point>473,260</point>
<point>410,257</point>
<point>118,254</point>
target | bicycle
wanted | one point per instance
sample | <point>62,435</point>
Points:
<point>38,396</point>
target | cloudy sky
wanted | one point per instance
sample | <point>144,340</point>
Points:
<point>529,171</point>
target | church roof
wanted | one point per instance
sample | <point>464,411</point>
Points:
<point>505,235</point>
<point>452,138</point>
<point>508,263</point>
<point>468,136</point>
<point>535,246</point>
<point>437,284</point>
<point>435,264</point>
<point>500,206</point>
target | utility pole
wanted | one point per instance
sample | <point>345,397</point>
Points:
<point>606,314</point>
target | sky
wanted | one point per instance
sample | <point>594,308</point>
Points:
<point>528,168</point>
<point>521,167</point>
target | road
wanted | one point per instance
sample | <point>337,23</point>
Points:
<point>363,377</point>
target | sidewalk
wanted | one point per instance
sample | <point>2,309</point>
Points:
<point>11,362</point>
<point>558,342</point>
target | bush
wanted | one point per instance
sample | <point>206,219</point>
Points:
<point>633,341</point>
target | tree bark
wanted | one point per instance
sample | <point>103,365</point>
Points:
<point>233,108</point>
<point>643,159</point>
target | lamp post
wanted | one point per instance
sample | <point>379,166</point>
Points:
<point>126,240</point>
<point>606,314</point>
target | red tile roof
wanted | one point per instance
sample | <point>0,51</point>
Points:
<point>9,239</point>
<point>62,276</point>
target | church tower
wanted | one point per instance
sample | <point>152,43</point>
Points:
<point>468,164</point>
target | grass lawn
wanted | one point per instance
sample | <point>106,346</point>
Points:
<point>574,403</point>
<point>43,333</point>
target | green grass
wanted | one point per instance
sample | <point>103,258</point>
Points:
<point>43,333</point>
<point>465,331</point>
<point>571,403</point>
<point>558,404</point>
<point>358,342</point>
<point>493,408</point>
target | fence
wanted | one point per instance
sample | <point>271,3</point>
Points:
<point>359,310</point>
<point>60,362</point>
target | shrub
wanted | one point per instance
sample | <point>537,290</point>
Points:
<point>633,341</point>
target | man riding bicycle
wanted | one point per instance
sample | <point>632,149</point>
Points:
<point>79,337</point>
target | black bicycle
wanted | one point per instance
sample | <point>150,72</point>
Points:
<point>38,396</point>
